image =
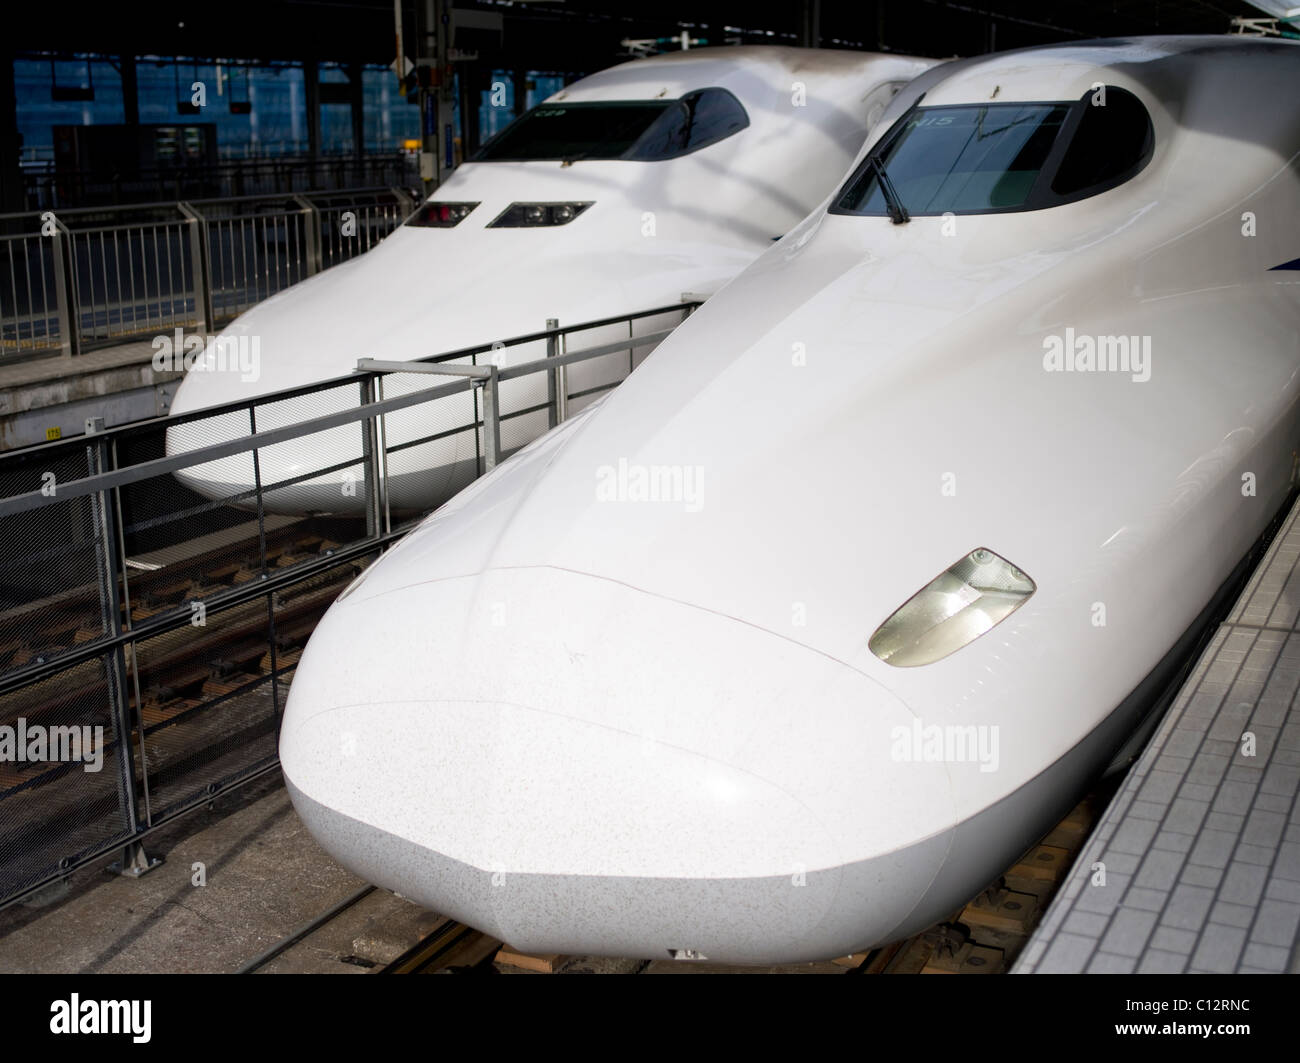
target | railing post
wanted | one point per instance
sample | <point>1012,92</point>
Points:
<point>485,377</point>
<point>406,202</point>
<point>257,490</point>
<point>552,349</point>
<point>491,420</point>
<point>562,384</point>
<point>373,456</point>
<point>314,236</point>
<point>65,290</point>
<point>134,860</point>
<point>201,264</point>
<point>557,383</point>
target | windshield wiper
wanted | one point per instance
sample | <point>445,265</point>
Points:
<point>897,211</point>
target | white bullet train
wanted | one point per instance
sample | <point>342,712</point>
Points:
<point>796,641</point>
<point>618,194</point>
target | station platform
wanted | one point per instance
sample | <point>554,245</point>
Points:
<point>50,398</point>
<point>1195,865</point>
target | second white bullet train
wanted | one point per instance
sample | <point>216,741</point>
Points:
<point>800,638</point>
<point>620,193</point>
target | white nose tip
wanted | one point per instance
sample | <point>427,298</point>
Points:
<point>572,764</point>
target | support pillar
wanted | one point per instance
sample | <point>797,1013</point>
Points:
<point>130,90</point>
<point>357,102</point>
<point>311,93</point>
<point>13,195</point>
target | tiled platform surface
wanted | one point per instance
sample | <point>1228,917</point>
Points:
<point>1201,845</point>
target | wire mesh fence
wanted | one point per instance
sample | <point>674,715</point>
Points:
<point>159,580</point>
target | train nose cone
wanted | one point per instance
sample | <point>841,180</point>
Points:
<point>573,765</point>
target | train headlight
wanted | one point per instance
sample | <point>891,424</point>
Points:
<point>957,607</point>
<point>535,215</point>
<point>441,215</point>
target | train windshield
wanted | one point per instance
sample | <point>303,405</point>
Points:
<point>999,157</point>
<point>641,130</point>
<point>961,159</point>
<point>574,130</point>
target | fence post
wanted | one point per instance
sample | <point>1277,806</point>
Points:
<point>557,382</point>
<point>374,458</point>
<point>562,383</point>
<point>314,236</point>
<point>135,862</point>
<point>491,420</point>
<point>65,290</point>
<point>201,264</point>
<point>690,299</point>
<point>406,202</point>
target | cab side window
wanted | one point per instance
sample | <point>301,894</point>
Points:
<point>1113,141</point>
<point>696,121</point>
<point>714,115</point>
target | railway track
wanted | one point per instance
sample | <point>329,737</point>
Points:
<point>452,946</point>
<point>178,674</point>
<point>203,699</point>
<point>443,946</point>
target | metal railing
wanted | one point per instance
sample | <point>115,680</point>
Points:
<point>50,187</point>
<point>171,618</point>
<point>78,279</point>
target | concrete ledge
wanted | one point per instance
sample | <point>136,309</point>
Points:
<point>50,398</point>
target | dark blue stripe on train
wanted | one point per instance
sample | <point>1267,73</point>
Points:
<point>1293,264</point>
